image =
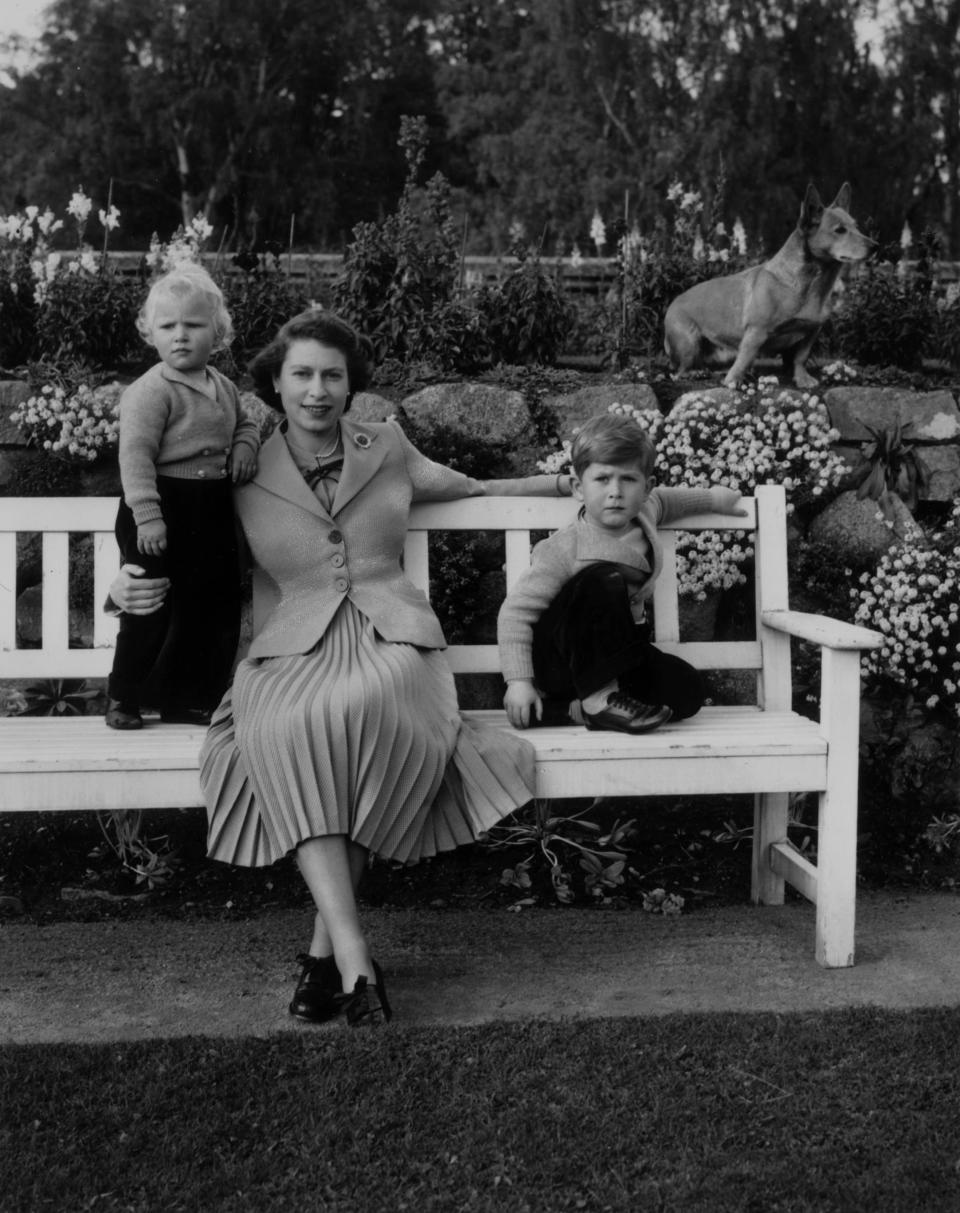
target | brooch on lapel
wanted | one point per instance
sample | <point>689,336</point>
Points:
<point>362,441</point>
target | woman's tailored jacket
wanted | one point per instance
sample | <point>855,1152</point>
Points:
<point>308,559</point>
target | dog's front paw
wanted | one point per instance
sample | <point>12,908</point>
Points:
<point>804,380</point>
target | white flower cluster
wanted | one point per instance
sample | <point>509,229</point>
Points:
<point>913,600</point>
<point>79,427</point>
<point>838,372</point>
<point>780,440</point>
<point>185,244</point>
<point>29,233</point>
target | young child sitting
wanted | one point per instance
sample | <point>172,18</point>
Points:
<point>182,442</point>
<point>573,627</point>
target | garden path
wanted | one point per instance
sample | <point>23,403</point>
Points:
<point>147,979</point>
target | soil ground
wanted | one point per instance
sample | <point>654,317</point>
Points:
<point>162,977</point>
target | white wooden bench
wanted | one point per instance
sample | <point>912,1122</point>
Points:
<point>76,763</point>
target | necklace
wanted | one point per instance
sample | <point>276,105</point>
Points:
<point>336,444</point>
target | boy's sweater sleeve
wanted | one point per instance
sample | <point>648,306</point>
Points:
<point>671,504</point>
<point>144,413</point>
<point>551,568</point>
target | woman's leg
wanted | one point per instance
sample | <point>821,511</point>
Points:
<point>332,867</point>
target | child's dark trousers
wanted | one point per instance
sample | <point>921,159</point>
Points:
<point>181,657</point>
<point>587,638</point>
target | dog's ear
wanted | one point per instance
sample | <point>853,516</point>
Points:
<point>811,210</point>
<point>842,199</point>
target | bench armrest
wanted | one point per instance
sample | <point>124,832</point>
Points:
<point>822,630</point>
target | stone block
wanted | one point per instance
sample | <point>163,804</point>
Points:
<point>479,410</point>
<point>855,530</point>
<point>368,406</point>
<point>943,464</point>
<point>931,416</point>
<point>30,620</point>
<point>13,392</point>
<point>574,408</point>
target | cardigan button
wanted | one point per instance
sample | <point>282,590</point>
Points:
<point>335,537</point>
<point>337,561</point>
<point>342,584</point>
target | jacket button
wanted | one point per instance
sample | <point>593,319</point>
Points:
<point>342,584</point>
<point>335,537</point>
<point>337,561</point>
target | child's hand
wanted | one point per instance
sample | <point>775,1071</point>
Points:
<point>242,463</point>
<point>520,698</point>
<point>725,500</point>
<point>152,537</point>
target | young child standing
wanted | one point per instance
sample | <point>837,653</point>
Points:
<point>183,442</point>
<point>573,627</point>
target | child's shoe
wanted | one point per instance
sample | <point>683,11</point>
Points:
<point>123,715</point>
<point>624,714</point>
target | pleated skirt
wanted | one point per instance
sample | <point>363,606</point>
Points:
<point>361,737</point>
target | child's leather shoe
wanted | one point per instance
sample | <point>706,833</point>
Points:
<point>624,714</point>
<point>123,715</point>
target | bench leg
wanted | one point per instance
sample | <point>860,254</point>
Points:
<point>836,880</point>
<point>837,826</point>
<point>771,812</point>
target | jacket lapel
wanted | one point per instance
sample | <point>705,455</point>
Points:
<point>364,450</point>
<point>278,474</point>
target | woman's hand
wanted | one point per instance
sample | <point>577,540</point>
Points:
<point>725,501</point>
<point>136,594</point>
<point>242,463</point>
<point>520,699</point>
<point>152,537</point>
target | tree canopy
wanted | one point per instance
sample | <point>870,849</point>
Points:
<point>265,113</point>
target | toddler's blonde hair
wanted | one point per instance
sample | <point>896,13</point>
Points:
<point>182,281</point>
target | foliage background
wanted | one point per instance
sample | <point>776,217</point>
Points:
<point>275,115</point>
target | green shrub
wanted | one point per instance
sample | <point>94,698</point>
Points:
<point>400,275</point>
<point>90,317</point>
<point>527,316</point>
<point>888,318</point>
<point>260,298</point>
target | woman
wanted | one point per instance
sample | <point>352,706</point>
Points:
<point>341,735</point>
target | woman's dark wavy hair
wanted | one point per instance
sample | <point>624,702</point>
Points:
<point>313,325</point>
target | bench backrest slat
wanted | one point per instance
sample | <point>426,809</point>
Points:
<point>515,517</point>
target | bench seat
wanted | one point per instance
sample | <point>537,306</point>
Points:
<point>74,764</point>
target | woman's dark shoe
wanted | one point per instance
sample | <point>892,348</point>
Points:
<point>123,715</point>
<point>318,995</point>
<point>368,1005</point>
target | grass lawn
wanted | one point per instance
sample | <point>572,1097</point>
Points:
<point>849,1110</point>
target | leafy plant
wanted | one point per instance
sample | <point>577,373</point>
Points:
<point>61,697</point>
<point>152,861</point>
<point>890,464</point>
<point>556,843</point>
<point>527,316</point>
<point>886,314</point>
<point>260,298</point>
<point>400,275</point>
